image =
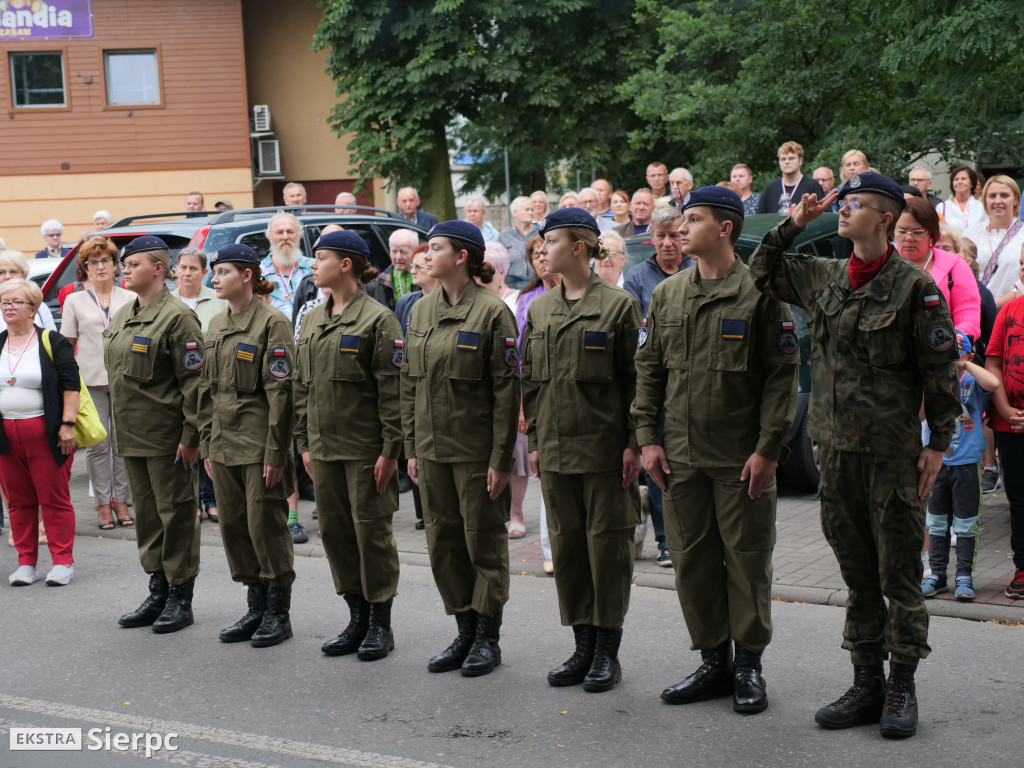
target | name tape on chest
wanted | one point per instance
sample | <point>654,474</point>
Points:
<point>278,365</point>
<point>734,330</point>
<point>788,343</point>
<point>140,345</point>
<point>468,340</point>
<point>245,352</point>
<point>192,360</point>
<point>350,345</point>
<point>511,352</point>
<point>398,353</point>
<point>595,341</point>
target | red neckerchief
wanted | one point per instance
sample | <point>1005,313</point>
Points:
<point>860,272</point>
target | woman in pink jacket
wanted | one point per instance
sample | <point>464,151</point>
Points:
<point>916,233</point>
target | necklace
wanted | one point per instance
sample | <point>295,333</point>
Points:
<point>12,379</point>
<point>103,308</point>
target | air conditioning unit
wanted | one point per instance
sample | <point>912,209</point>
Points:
<point>261,118</point>
<point>269,154</point>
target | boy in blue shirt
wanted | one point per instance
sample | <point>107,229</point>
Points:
<point>955,502</point>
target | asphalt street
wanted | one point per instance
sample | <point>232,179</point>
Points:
<point>66,663</point>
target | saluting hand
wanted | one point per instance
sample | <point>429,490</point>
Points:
<point>630,466</point>
<point>811,207</point>
<point>760,470</point>
<point>272,475</point>
<point>655,464</point>
<point>382,472</point>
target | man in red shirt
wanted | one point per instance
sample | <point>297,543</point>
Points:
<point>1004,356</point>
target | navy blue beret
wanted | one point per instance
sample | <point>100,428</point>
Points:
<point>714,197</point>
<point>460,230</point>
<point>142,244</point>
<point>236,252</point>
<point>568,217</point>
<point>343,241</point>
<point>876,183</point>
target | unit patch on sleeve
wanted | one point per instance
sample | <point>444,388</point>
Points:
<point>511,352</point>
<point>787,338</point>
<point>193,358</point>
<point>398,353</point>
<point>279,366</point>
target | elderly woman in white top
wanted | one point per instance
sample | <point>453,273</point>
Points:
<point>87,313</point>
<point>13,264</point>
<point>39,398</point>
<point>1000,237</point>
<point>610,269</point>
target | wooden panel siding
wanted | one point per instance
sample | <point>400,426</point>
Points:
<point>202,121</point>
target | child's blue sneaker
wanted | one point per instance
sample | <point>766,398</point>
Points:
<point>933,585</point>
<point>964,588</point>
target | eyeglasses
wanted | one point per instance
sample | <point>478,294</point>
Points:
<point>910,234</point>
<point>613,254</point>
<point>99,262</point>
<point>855,205</point>
<point>128,266</point>
<point>417,268</point>
<point>10,273</point>
<point>13,304</point>
<point>53,234</point>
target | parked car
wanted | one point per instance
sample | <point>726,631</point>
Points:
<point>820,238</point>
<point>211,230</point>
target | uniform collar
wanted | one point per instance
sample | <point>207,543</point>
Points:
<point>348,315</point>
<point>243,319</point>
<point>730,285</point>
<point>589,304</point>
<point>460,311</point>
<point>880,286</point>
<point>149,313</point>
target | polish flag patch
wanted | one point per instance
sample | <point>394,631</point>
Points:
<point>932,300</point>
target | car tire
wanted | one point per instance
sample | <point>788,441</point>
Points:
<point>800,471</point>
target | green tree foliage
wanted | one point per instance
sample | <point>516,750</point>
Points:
<point>536,76</point>
<point>899,79</point>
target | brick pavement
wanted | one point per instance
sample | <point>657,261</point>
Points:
<point>805,568</point>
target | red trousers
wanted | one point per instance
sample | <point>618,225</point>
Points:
<point>32,479</point>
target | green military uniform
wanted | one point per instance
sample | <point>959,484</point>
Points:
<point>348,405</point>
<point>876,351</point>
<point>578,384</point>
<point>245,421</point>
<point>460,413</point>
<point>153,355</point>
<point>720,360</point>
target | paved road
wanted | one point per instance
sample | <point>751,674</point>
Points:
<point>66,663</point>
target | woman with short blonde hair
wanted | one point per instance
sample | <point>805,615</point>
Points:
<point>13,264</point>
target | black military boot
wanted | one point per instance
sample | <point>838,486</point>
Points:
<point>575,669</point>
<point>899,719</point>
<point>256,597</point>
<point>151,607</point>
<point>605,671</point>
<point>451,658</point>
<point>860,705</point>
<point>276,626</point>
<point>485,654</point>
<point>749,694</point>
<point>352,636</point>
<point>379,640</point>
<point>177,613</point>
<point>712,680</point>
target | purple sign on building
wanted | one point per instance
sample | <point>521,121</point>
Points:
<point>45,19</point>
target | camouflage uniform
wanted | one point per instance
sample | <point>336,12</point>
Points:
<point>876,352</point>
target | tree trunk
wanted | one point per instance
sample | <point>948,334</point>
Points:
<point>441,200</point>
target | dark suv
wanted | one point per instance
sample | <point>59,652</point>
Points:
<point>819,239</point>
<point>211,230</point>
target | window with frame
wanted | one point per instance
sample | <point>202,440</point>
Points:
<point>37,79</point>
<point>132,77</point>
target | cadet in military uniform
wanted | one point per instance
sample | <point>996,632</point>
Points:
<point>349,433</point>
<point>460,412</point>
<point>720,359</point>
<point>578,384</point>
<point>882,341</point>
<point>245,435</point>
<point>153,350</point>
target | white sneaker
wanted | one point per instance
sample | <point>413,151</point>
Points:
<point>60,575</point>
<point>25,575</point>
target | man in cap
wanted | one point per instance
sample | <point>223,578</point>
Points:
<point>883,343</point>
<point>718,474</point>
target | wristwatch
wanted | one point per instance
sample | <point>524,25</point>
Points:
<point>67,423</point>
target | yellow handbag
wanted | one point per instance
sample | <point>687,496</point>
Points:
<point>89,429</point>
